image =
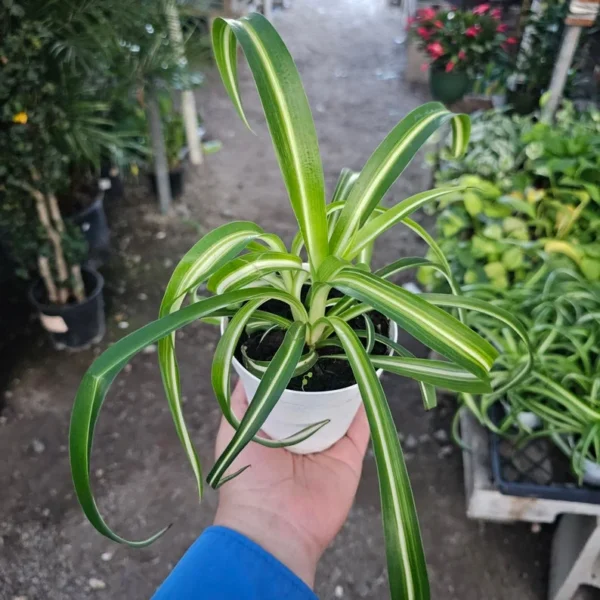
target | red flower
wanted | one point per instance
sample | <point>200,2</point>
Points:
<point>473,31</point>
<point>438,24</point>
<point>449,66</point>
<point>424,33</point>
<point>462,55</point>
<point>481,9</point>
<point>512,40</point>
<point>410,21</point>
<point>426,14</point>
<point>424,67</point>
<point>502,28</point>
<point>496,13</point>
<point>435,50</point>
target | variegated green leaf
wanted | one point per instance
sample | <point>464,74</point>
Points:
<point>249,267</point>
<point>271,386</point>
<point>387,163</point>
<point>98,378</point>
<point>406,560</point>
<point>432,326</point>
<point>367,234</point>
<point>474,304</point>
<point>211,252</point>
<point>288,116</point>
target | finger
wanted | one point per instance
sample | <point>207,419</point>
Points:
<point>359,431</point>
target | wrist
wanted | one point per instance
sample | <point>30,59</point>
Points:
<point>275,535</point>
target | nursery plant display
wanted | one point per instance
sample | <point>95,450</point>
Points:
<point>534,190</point>
<point>64,68</point>
<point>560,398</point>
<point>292,317</point>
<point>460,45</point>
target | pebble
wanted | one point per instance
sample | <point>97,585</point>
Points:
<point>123,325</point>
<point>161,235</point>
<point>19,598</point>
<point>445,452</point>
<point>38,446</point>
<point>167,263</point>
<point>142,296</point>
<point>46,512</point>
<point>424,437</point>
<point>441,436</point>
<point>106,556</point>
<point>8,394</point>
<point>96,584</point>
<point>99,472</point>
<point>536,528</point>
<point>410,443</point>
<point>127,368</point>
<point>339,591</point>
<point>3,420</point>
<point>151,349</point>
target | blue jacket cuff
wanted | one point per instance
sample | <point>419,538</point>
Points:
<point>222,564</point>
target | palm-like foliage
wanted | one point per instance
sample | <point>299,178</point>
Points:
<point>245,266</point>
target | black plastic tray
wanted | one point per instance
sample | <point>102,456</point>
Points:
<point>537,469</point>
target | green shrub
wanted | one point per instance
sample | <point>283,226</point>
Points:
<point>533,190</point>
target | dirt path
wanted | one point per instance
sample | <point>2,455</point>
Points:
<point>352,71</point>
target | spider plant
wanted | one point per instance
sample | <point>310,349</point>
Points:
<point>561,311</point>
<point>245,266</point>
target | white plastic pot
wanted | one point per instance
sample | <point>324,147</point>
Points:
<point>297,410</point>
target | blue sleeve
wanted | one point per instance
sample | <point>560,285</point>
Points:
<point>224,565</point>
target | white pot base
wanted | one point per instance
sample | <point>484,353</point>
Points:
<point>296,410</point>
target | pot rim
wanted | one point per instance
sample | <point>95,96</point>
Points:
<point>98,287</point>
<point>392,334</point>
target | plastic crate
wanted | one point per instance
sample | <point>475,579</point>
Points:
<point>537,469</point>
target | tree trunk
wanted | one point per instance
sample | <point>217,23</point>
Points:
<point>161,167</point>
<point>188,101</point>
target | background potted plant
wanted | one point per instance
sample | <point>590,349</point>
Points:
<point>558,400</point>
<point>47,119</point>
<point>309,329</point>
<point>460,44</point>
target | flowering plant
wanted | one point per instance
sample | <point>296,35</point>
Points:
<point>461,40</point>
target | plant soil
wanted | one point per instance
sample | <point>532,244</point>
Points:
<point>327,374</point>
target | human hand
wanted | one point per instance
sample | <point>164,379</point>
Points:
<point>292,505</point>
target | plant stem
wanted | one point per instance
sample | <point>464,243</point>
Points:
<point>78,286</point>
<point>46,275</point>
<point>55,239</point>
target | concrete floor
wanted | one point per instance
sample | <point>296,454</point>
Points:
<point>352,70</point>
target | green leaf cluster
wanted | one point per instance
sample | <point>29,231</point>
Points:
<point>533,191</point>
<point>561,312</point>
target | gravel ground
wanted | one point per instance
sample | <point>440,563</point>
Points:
<point>352,69</point>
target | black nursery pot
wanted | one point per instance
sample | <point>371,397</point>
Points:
<point>94,226</point>
<point>175,181</point>
<point>73,326</point>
